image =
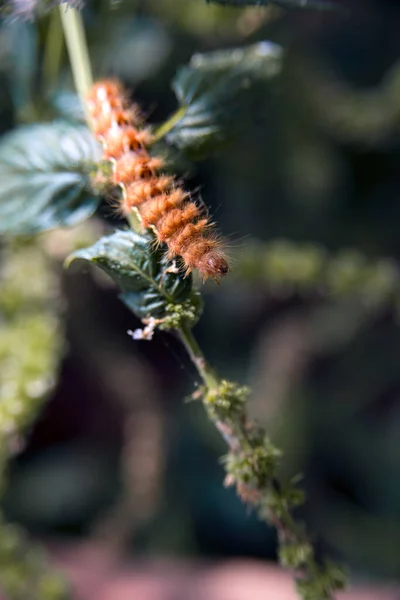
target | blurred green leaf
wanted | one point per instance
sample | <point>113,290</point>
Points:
<point>21,38</point>
<point>44,171</point>
<point>140,270</point>
<point>31,340</point>
<point>217,92</point>
<point>67,106</point>
<point>287,267</point>
<point>314,4</point>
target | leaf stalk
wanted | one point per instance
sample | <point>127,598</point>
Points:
<point>166,127</point>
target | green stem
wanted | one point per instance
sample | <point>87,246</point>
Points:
<point>169,124</point>
<point>53,52</point>
<point>74,33</point>
<point>206,372</point>
<point>251,465</point>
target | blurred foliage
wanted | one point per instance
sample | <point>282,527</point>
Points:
<point>20,42</point>
<point>31,340</point>
<point>30,350</point>
<point>24,571</point>
<point>370,117</point>
<point>287,268</point>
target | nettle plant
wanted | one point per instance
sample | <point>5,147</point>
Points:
<point>54,174</point>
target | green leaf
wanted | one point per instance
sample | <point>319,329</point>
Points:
<point>140,270</point>
<point>217,92</point>
<point>44,173</point>
<point>67,105</point>
<point>311,4</point>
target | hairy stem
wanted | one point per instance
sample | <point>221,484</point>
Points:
<point>251,466</point>
<point>75,38</point>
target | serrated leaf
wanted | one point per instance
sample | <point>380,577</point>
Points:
<point>218,91</point>
<point>311,4</point>
<point>44,177</point>
<point>140,270</point>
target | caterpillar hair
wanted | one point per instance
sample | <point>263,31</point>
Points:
<point>159,200</point>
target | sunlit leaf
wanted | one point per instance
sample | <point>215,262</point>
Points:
<point>142,272</point>
<point>218,92</point>
<point>44,177</point>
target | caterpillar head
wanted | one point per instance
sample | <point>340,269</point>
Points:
<point>213,264</point>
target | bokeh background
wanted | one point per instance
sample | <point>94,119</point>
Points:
<point>308,196</point>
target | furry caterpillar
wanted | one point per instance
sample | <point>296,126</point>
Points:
<point>159,200</point>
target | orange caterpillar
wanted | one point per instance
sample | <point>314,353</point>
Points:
<point>159,200</point>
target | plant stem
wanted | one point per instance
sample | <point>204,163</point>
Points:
<point>251,465</point>
<point>53,52</point>
<point>75,38</point>
<point>206,372</point>
<point>169,124</point>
